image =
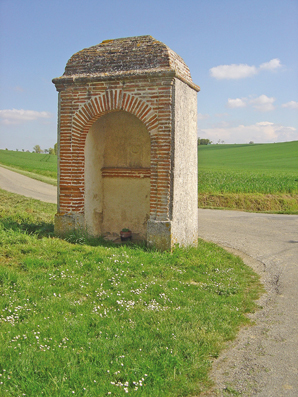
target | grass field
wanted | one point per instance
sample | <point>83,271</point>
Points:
<point>86,318</point>
<point>256,157</point>
<point>252,177</point>
<point>269,168</point>
<point>33,163</point>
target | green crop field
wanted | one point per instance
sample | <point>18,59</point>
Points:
<point>259,157</point>
<point>255,177</point>
<point>42,164</point>
<point>266,168</point>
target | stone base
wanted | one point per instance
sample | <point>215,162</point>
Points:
<point>65,223</point>
<point>159,235</point>
<point>164,235</point>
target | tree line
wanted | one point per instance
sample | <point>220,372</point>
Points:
<point>204,141</point>
<point>38,149</point>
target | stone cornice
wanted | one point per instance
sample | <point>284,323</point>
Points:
<point>62,82</point>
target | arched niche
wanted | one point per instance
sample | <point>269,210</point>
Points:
<point>117,176</point>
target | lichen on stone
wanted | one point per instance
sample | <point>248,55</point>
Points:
<point>131,54</point>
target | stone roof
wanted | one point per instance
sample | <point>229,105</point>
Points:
<point>131,55</point>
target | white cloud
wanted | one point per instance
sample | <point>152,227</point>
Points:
<point>261,132</point>
<point>241,71</point>
<point>236,103</point>
<point>233,71</point>
<point>19,116</point>
<point>263,103</point>
<point>203,116</point>
<point>290,105</point>
<point>271,65</point>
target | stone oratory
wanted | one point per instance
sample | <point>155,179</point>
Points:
<point>127,143</point>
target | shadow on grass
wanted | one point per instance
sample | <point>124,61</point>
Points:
<point>41,229</point>
<point>46,229</point>
<point>82,238</point>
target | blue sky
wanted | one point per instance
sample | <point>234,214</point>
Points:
<point>243,54</point>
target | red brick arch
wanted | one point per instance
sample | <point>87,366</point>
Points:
<point>83,119</point>
<point>112,100</point>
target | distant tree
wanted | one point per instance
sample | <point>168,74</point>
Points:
<point>17,150</point>
<point>203,141</point>
<point>37,149</point>
<point>251,142</point>
<point>23,150</point>
<point>46,151</point>
<point>56,148</point>
<point>51,151</point>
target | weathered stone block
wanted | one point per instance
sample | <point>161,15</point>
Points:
<point>159,235</point>
<point>66,223</point>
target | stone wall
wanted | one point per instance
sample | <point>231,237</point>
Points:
<point>185,186</point>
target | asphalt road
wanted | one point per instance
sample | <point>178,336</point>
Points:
<point>263,361</point>
<point>20,184</point>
